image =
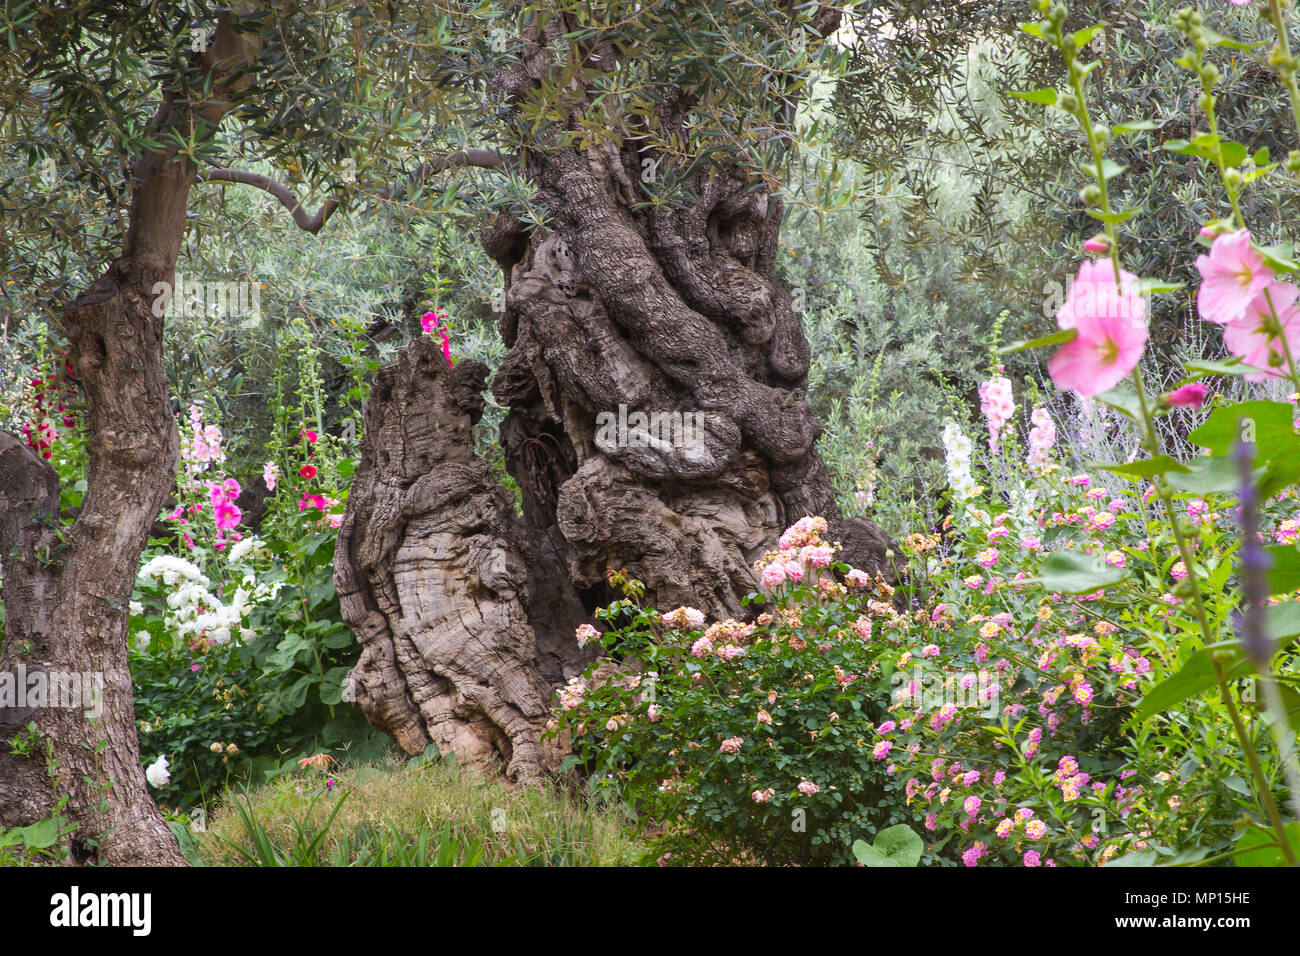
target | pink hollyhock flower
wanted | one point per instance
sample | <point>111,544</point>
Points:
<point>310,435</point>
<point>1111,326</point>
<point>1232,275</point>
<point>429,321</point>
<point>1258,336</point>
<point>1189,396</point>
<point>270,474</point>
<point>307,471</point>
<point>227,515</point>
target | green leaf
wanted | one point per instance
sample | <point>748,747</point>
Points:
<point>1109,169</point>
<point>1272,428</point>
<point>1192,678</point>
<point>1280,256</point>
<point>1056,338</point>
<point>1258,847</point>
<point>1146,858</point>
<point>1207,476</point>
<point>1073,572</point>
<point>896,846</point>
<point>900,843</point>
<point>42,834</point>
<point>1284,575</point>
<point>1158,286</point>
<point>1123,400</point>
<point>1282,621</point>
<point>1219,40</point>
<point>1232,366</point>
<point>1083,37</point>
<point>1136,126</point>
<point>1115,218</point>
<point>1047,96</point>
<point>1146,468</point>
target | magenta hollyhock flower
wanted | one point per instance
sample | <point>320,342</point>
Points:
<point>1232,275</point>
<point>1258,335</point>
<point>1189,396</point>
<point>429,321</point>
<point>1111,326</point>
<point>310,435</point>
<point>307,471</point>
<point>227,515</point>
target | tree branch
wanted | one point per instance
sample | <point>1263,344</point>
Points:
<point>482,158</point>
<point>312,224</point>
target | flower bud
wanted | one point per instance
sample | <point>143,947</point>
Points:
<point>1090,194</point>
<point>215,747</point>
<point>1101,132</point>
<point>1210,73</point>
<point>1232,179</point>
<point>1068,102</point>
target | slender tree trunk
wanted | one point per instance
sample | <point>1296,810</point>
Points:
<point>612,312</point>
<point>66,589</point>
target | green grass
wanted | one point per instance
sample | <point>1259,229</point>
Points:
<point>431,814</point>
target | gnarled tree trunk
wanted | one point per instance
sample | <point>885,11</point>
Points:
<point>66,589</point>
<point>611,312</point>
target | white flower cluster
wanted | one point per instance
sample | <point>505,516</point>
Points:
<point>957,451</point>
<point>193,610</point>
<point>249,547</point>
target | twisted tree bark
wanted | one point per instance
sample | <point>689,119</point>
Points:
<point>66,589</point>
<point>618,309</point>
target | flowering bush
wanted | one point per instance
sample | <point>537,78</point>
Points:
<point>747,741</point>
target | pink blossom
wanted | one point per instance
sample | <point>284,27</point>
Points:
<point>270,474</point>
<point>808,788</point>
<point>1111,327</point>
<point>773,576</point>
<point>1269,327</point>
<point>1232,275</point>
<point>1191,395</point>
<point>997,405</point>
<point>731,745</point>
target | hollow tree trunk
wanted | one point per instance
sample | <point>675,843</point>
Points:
<point>66,589</point>
<point>610,312</point>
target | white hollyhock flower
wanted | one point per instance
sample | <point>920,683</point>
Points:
<point>156,773</point>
